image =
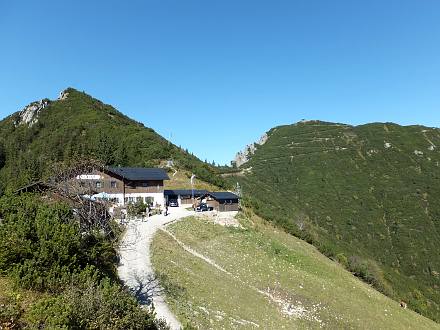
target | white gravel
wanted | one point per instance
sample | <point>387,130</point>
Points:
<point>135,268</point>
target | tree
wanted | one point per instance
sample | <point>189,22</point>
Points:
<point>121,155</point>
<point>2,156</point>
<point>105,147</point>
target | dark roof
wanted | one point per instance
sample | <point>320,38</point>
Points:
<point>222,195</point>
<point>185,192</point>
<point>140,173</point>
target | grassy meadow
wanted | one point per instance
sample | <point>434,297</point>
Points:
<point>258,276</point>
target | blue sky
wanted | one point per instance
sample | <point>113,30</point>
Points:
<point>215,75</point>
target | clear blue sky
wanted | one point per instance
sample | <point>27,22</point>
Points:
<point>218,74</point>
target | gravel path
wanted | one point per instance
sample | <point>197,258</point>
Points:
<point>135,268</point>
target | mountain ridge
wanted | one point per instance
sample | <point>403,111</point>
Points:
<point>364,195</point>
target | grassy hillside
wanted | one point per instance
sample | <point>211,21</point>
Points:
<point>81,126</point>
<point>367,196</point>
<point>181,179</point>
<point>261,277</point>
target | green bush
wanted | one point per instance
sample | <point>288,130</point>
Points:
<point>370,272</point>
<point>41,245</point>
<point>51,312</point>
<point>42,248</point>
<point>10,313</point>
<point>88,305</point>
<point>137,208</point>
<point>342,259</point>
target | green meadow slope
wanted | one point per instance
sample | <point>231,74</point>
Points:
<point>258,276</point>
<point>79,126</point>
<point>367,196</point>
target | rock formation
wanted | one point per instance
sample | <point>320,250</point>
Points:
<point>63,95</point>
<point>242,157</point>
<point>29,115</point>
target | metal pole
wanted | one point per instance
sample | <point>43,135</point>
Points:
<point>192,187</point>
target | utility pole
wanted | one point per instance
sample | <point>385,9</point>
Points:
<point>192,186</point>
<point>238,192</point>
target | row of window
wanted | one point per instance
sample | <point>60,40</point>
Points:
<point>146,200</point>
<point>113,184</point>
<point>228,201</point>
<point>131,200</point>
<point>99,184</point>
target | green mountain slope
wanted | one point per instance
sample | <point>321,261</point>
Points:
<point>77,125</point>
<point>256,276</point>
<point>367,196</point>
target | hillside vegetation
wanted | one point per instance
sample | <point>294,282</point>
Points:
<point>367,196</point>
<point>259,277</point>
<point>55,276</point>
<point>79,126</point>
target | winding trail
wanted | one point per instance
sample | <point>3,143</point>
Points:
<point>135,268</point>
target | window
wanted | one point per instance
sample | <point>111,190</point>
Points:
<point>139,200</point>
<point>149,200</point>
<point>130,199</point>
<point>144,184</point>
<point>98,184</point>
<point>113,184</point>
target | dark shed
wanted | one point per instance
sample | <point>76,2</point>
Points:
<point>222,201</point>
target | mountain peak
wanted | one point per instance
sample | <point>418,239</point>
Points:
<point>29,115</point>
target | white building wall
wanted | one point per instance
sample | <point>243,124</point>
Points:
<point>158,198</point>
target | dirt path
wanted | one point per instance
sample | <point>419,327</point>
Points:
<point>135,268</point>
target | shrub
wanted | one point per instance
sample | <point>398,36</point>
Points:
<point>41,246</point>
<point>342,259</point>
<point>370,272</point>
<point>10,313</point>
<point>51,313</point>
<point>89,305</point>
<point>137,208</point>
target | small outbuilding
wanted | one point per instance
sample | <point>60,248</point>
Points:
<point>222,201</point>
<point>184,196</point>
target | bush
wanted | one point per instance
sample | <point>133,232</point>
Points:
<point>89,305</point>
<point>51,313</point>
<point>342,259</point>
<point>41,246</point>
<point>10,313</point>
<point>370,272</point>
<point>137,208</point>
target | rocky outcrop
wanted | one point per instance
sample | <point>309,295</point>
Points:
<point>63,95</point>
<point>29,115</point>
<point>242,157</point>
